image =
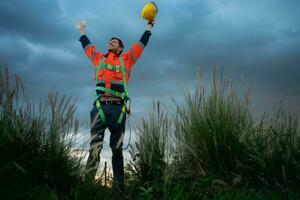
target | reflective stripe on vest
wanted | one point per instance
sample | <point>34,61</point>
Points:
<point>110,67</point>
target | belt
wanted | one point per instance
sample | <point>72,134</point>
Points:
<point>112,102</point>
<point>109,98</point>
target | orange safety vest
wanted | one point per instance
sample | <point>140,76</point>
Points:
<point>110,68</point>
<point>114,76</point>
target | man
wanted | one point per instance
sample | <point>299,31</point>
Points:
<point>112,72</point>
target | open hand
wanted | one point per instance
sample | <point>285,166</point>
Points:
<point>81,24</point>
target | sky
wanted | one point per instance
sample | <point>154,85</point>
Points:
<point>257,43</point>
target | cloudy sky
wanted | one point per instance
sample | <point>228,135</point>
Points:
<point>257,42</point>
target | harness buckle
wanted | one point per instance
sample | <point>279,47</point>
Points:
<point>123,109</point>
<point>98,105</point>
<point>109,66</point>
<point>123,95</point>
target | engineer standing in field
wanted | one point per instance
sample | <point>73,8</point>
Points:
<point>112,73</point>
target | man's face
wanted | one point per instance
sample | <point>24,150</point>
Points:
<point>114,46</point>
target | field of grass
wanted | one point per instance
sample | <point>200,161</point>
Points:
<point>209,147</point>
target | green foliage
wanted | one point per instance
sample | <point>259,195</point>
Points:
<point>217,139</point>
<point>212,147</point>
<point>35,146</point>
<point>150,153</point>
<point>216,145</point>
<point>211,131</point>
<point>274,156</point>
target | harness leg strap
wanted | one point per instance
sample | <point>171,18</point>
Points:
<point>122,114</point>
<point>100,111</point>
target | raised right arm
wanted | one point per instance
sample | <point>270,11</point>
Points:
<point>89,49</point>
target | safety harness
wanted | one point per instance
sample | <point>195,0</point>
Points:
<point>123,95</point>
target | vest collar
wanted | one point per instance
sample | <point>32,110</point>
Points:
<point>111,55</point>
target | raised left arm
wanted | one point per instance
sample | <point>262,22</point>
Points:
<point>137,49</point>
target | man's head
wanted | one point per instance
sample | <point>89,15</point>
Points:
<point>115,45</point>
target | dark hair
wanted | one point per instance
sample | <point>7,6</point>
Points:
<point>120,41</point>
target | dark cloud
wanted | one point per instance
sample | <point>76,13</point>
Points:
<point>37,21</point>
<point>257,42</point>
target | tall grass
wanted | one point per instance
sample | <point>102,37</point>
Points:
<point>35,146</point>
<point>211,131</point>
<point>274,156</point>
<point>211,147</point>
<point>150,152</point>
<point>219,146</point>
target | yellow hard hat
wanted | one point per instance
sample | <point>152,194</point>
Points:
<point>149,11</point>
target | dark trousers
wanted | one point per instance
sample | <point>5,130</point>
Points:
<point>117,130</point>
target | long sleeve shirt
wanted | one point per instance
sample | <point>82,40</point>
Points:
<point>110,78</point>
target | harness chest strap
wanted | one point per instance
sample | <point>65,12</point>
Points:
<point>110,67</point>
<point>101,66</point>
